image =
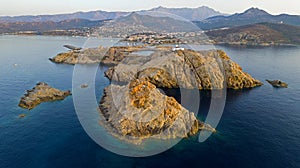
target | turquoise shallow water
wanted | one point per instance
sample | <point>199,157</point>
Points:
<point>259,127</point>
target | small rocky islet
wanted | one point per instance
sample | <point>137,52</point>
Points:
<point>277,83</point>
<point>135,109</point>
<point>42,92</point>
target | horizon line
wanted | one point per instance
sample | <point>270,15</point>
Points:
<point>95,10</point>
<point>136,10</point>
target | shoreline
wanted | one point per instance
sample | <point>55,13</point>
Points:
<point>236,45</point>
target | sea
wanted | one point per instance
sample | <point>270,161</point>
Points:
<point>260,127</point>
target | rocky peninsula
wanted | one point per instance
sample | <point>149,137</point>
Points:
<point>106,56</point>
<point>42,92</point>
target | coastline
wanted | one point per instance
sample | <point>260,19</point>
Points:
<point>235,44</point>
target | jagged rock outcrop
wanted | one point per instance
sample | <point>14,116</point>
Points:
<point>42,92</point>
<point>185,69</point>
<point>107,56</point>
<point>139,110</point>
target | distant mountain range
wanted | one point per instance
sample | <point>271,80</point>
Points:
<point>250,16</point>
<point>192,14</point>
<point>261,34</point>
<point>12,27</point>
<point>204,17</point>
<point>93,16</point>
<point>187,13</point>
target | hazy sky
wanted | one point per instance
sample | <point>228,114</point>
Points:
<point>34,7</point>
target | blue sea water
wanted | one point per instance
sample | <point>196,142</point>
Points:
<point>260,127</point>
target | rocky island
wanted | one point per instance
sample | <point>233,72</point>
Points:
<point>165,68</point>
<point>277,83</point>
<point>189,69</point>
<point>134,109</point>
<point>139,110</point>
<point>42,92</point>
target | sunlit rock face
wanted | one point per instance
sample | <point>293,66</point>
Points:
<point>185,69</point>
<point>139,110</point>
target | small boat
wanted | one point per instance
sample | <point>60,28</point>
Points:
<point>84,85</point>
<point>277,83</point>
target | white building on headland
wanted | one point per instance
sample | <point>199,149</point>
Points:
<point>177,48</point>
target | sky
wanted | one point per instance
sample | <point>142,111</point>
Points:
<point>37,7</point>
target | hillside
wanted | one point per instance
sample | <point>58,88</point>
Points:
<point>157,24</point>
<point>292,33</point>
<point>250,16</point>
<point>136,23</point>
<point>257,34</point>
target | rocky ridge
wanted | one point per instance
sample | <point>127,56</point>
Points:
<point>185,69</point>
